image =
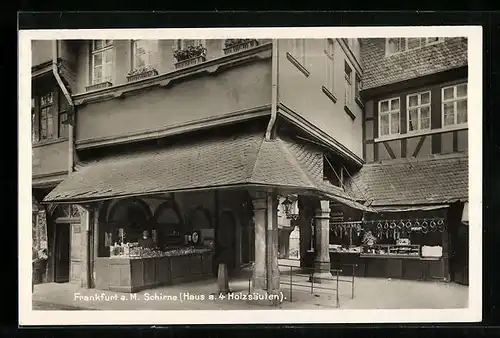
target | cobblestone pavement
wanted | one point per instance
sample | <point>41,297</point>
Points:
<point>369,293</point>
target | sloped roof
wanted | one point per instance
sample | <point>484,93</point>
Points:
<point>433,180</point>
<point>246,159</point>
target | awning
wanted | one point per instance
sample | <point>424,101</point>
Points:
<point>222,162</point>
<point>465,213</point>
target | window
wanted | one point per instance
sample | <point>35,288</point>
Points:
<point>183,44</point>
<point>419,111</point>
<point>395,45</point>
<point>398,45</point>
<point>357,88</point>
<point>63,124</point>
<point>102,61</point>
<point>299,50</point>
<point>330,65</point>
<point>389,117</point>
<point>454,105</point>
<point>34,127</point>
<point>145,54</point>
<point>348,85</point>
<point>46,117</point>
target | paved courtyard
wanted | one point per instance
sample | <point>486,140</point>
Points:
<point>369,293</point>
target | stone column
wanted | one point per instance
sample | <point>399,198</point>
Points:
<point>322,232</point>
<point>259,278</point>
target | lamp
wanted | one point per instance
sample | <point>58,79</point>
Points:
<point>287,206</point>
<point>290,208</point>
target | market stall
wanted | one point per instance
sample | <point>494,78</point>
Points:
<point>139,251</point>
<point>407,245</point>
<point>132,266</point>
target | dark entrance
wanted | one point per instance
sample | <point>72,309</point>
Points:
<point>247,243</point>
<point>225,241</point>
<point>61,251</point>
<point>459,264</point>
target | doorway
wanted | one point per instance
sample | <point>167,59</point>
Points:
<point>459,264</point>
<point>61,252</point>
<point>225,241</point>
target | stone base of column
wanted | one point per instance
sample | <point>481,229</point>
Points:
<point>322,273</point>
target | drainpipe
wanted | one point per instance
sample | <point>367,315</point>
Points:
<point>274,93</point>
<point>55,71</point>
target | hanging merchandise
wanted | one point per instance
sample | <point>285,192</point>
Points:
<point>425,227</point>
<point>393,225</point>
<point>433,225</point>
<point>386,225</point>
<point>440,224</point>
<point>408,225</point>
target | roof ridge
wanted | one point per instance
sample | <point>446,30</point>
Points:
<point>250,174</point>
<point>305,173</point>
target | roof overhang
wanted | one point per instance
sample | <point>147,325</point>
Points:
<point>242,161</point>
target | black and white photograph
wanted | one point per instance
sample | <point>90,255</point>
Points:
<point>316,175</point>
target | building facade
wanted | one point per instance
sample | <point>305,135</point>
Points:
<point>179,137</point>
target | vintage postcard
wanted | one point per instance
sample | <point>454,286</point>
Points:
<point>302,175</point>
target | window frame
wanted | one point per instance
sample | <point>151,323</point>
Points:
<point>358,86</point>
<point>349,96</point>
<point>299,50</point>
<point>330,65</point>
<point>181,43</point>
<point>48,107</point>
<point>150,53</point>
<point>419,107</point>
<point>423,42</point>
<point>455,101</point>
<point>389,113</point>
<point>93,52</point>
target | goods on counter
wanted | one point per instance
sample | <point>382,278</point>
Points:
<point>134,250</point>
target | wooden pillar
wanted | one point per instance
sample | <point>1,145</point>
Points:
<point>322,233</point>
<point>259,278</point>
<point>305,218</point>
<point>272,243</point>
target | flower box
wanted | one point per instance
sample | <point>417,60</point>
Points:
<point>190,62</point>
<point>237,45</point>
<point>189,53</point>
<point>141,73</point>
<point>96,86</point>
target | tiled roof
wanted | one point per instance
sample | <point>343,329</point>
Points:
<point>239,160</point>
<point>380,70</point>
<point>434,180</point>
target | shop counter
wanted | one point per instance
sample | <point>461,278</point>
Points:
<point>412,267</point>
<point>126,274</point>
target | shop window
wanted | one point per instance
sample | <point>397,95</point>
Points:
<point>389,117</point>
<point>418,107</point>
<point>454,105</point>
<point>102,61</point>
